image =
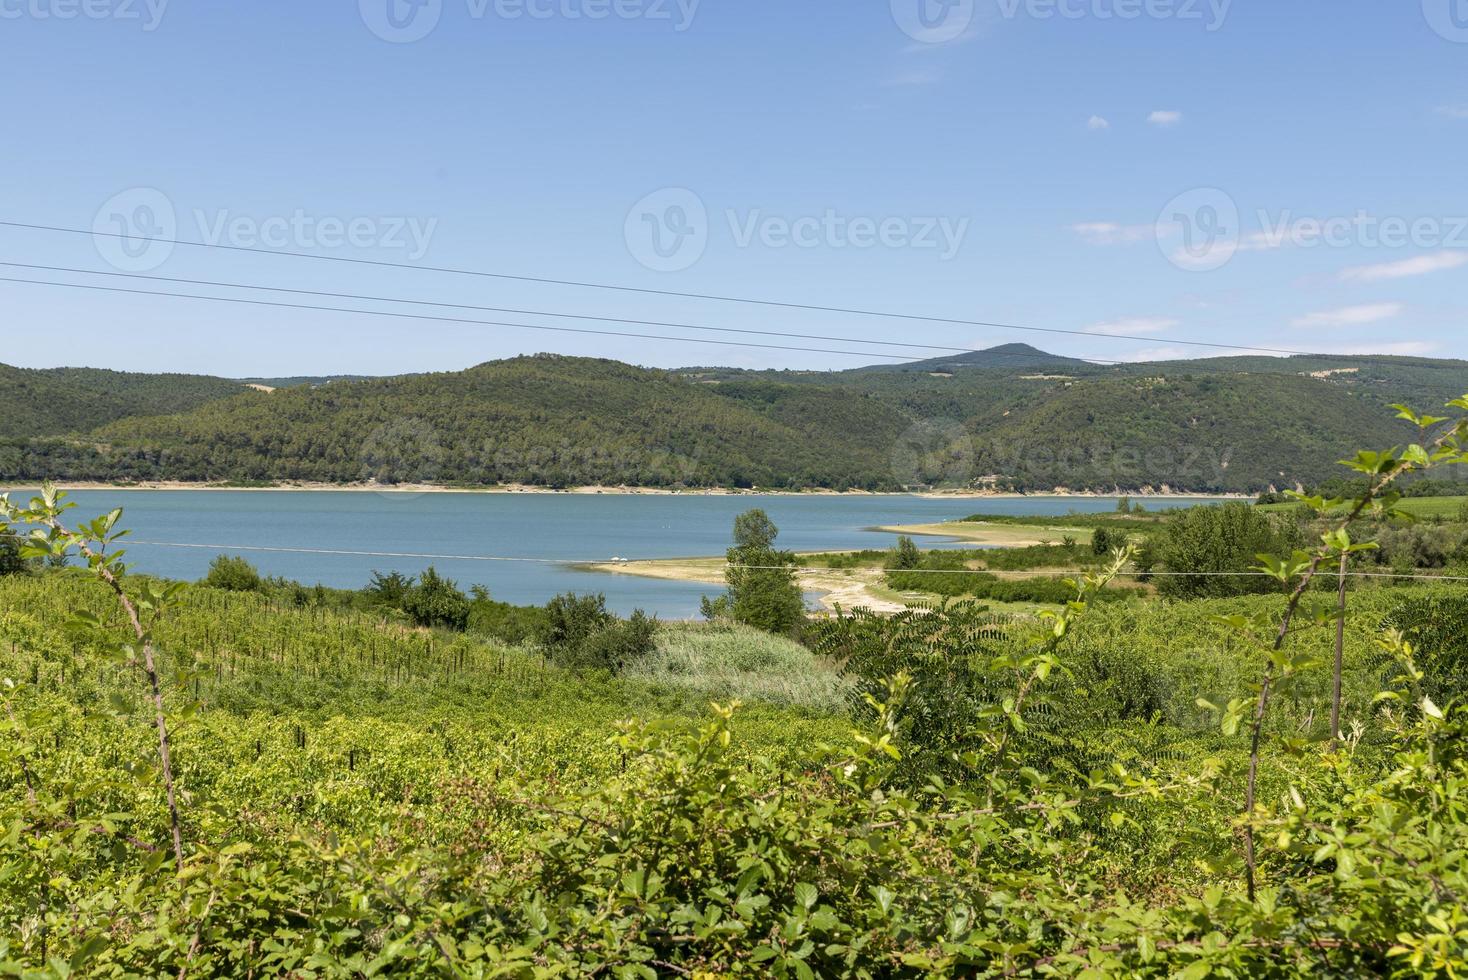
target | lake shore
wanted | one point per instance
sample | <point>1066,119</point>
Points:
<point>416,488</point>
<point>844,588</point>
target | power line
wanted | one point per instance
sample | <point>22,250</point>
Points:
<point>348,553</point>
<point>712,297</point>
<point>520,312</point>
<point>450,319</point>
<point>722,565</point>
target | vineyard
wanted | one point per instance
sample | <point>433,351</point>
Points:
<point>198,782</point>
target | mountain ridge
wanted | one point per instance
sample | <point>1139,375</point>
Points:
<point>1217,425</point>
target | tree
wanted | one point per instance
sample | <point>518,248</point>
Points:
<point>389,590</point>
<point>437,601</point>
<point>578,632</point>
<point>762,589</point>
<point>1101,542</point>
<point>905,556</point>
<point>11,562</point>
<point>754,531</point>
<point>233,574</point>
<point>1206,541</point>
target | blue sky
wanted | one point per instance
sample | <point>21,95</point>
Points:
<point>1040,162</point>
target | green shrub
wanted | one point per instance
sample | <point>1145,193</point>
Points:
<point>1218,543</point>
<point>436,602</point>
<point>578,632</point>
<point>1437,626</point>
<point>233,574</point>
<point>501,620</point>
<point>11,563</point>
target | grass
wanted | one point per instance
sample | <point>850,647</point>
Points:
<point>728,661</point>
<point>1449,507</point>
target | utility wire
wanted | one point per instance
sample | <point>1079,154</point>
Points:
<point>757,568</point>
<point>432,556</point>
<point>451,319</point>
<point>712,297</point>
<point>520,312</point>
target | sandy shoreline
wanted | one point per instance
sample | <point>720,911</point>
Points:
<point>838,588</point>
<point>616,491</point>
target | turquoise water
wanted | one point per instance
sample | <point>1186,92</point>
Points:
<point>556,530</point>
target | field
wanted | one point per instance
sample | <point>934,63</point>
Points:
<point>1076,786</point>
<point>1445,507</point>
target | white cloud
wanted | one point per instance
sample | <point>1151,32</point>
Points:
<point>1419,266</point>
<point>1111,233</point>
<point>1453,111</point>
<point>1097,123</point>
<point>1165,117</point>
<point>1131,326</point>
<point>1349,316</point>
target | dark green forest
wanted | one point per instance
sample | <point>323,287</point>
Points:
<point>57,401</point>
<point>1215,425</point>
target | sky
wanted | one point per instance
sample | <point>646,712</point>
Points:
<point>1286,175</point>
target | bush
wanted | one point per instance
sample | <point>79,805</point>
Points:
<point>501,620</point>
<point>578,632</point>
<point>436,601</point>
<point>233,574</point>
<point>1217,540</point>
<point>11,563</point>
<point>1437,626</point>
<point>389,590</point>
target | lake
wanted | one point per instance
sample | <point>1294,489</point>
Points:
<point>176,533</point>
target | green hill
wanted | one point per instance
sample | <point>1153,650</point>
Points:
<point>1222,424</point>
<point>60,400</point>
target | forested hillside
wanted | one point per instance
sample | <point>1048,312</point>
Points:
<point>60,400</point>
<point>1215,425</point>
